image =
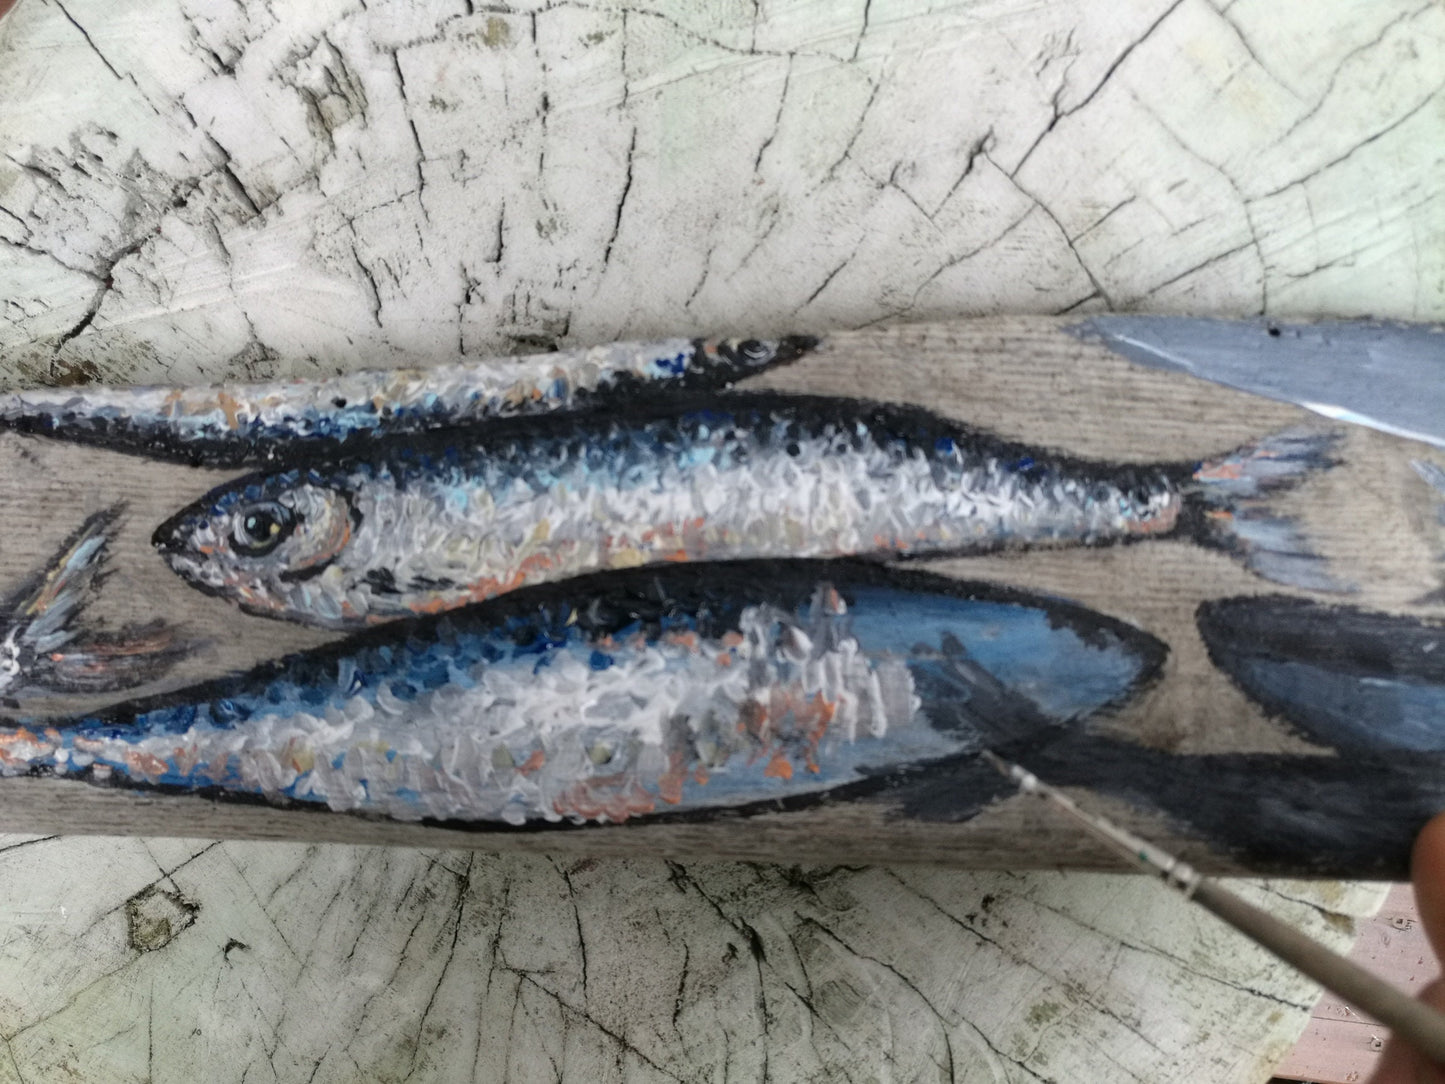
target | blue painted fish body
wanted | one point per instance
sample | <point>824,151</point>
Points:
<point>229,425</point>
<point>424,525</point>
<point>680,689</point>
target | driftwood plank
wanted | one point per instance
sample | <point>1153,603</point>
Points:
<point>1241,678</point>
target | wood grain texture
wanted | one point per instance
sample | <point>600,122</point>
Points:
<point>1021,378</point>
<point>792,165</point>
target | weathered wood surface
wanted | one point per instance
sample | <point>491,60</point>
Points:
<point>1025,379</point>
<point>916,161</point>
<point>231,960</point>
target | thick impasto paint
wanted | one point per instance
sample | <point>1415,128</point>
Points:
<point>234,425</point>
<point>424,525</point>
<point>602,587</point>
<point>604,699</point>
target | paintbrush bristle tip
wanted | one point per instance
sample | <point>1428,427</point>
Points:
<point>998,764</point>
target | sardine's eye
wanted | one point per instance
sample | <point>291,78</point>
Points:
<point>260,528</point>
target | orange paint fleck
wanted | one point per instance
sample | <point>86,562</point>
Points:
<point>615,797</point>
<point>1230,470</point>
<point>230,408</point>
<point>185,759</point>
<point>779,767</point>
<point>146,764</point>
<point>752,719</point>
<point>669,786</point>
<point>532,763</point>
<point>683,638</point>
<point>1160,524</point>
<point>24,743</point>
<point>823,711</point>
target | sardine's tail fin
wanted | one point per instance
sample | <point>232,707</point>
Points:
<point>46,605</point>
<point>1232,507</point>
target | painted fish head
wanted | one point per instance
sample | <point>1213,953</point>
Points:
<point>263,541</point>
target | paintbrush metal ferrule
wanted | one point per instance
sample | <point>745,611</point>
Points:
<point>1414,1021</point>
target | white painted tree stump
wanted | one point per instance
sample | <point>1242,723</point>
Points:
<point>199,189</point>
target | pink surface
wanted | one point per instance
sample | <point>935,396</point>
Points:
<point>1341,1045</point>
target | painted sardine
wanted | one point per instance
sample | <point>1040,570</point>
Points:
<point>445,519</point>
<point>684,689</point>
<point>228,425</point>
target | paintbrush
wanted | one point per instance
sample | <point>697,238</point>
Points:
<point>1412,1020</point>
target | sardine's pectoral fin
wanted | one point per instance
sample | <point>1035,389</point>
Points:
<point>109,662</point>
<point>967,699</point>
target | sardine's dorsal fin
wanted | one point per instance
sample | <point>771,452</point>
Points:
<point>240,425</point>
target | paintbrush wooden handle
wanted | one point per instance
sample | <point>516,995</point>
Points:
<point>1410,1019</point>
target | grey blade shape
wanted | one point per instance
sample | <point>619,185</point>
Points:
<point>1388,376</point>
